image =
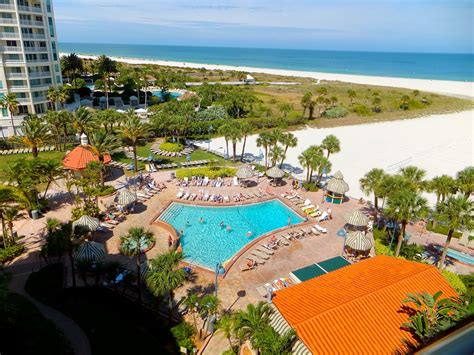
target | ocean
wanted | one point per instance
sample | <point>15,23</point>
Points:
<point>435,66</point>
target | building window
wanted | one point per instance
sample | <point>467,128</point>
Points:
<point>39,108</point>
<point>22,110</point>
<point>4,112</point>
<point>11,43</point>
<point>48,5</point>
<point>51,26</point>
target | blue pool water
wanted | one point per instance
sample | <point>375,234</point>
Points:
<point>208,243</point>
<point>462,257</point>
<point>173,94</point>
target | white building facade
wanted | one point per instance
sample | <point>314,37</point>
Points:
<point>29,57</point>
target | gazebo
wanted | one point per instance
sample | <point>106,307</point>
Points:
<point>336,189</point>
<point>275,173</point>
<point>77,159</point>
<point>90,251</point>
<point>125,197</point>
<point>358,241</point>
<point>356,219</point>
<point>244,173</point>
<point>86,223</point>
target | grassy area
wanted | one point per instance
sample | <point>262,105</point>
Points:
<point>113,324</point>
<point>441,229</point>
<point>5,160</point>
<point>24,330</point>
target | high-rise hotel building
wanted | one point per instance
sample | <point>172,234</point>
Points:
<point>29,57</point>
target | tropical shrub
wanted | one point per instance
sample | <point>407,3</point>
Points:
<point>171,147</point>
<point>78,212</point>
<point>11,252</point>
<point>362,110</point>
<point>211,173</point>
<point>104,190</point>
<point>411,251</point>
<point>212,113</point>
<point>455,281</point>
<point>183,334</point>
<point>335,112</point>
<point>309,186</point>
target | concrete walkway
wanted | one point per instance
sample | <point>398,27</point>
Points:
<point>76,336</point>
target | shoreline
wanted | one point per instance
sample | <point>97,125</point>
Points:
<point>461,89</point>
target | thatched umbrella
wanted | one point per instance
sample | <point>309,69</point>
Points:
<point>90,251</point>
<point>125,197</point>
<point>245,172</point>
<point>357,240</point>
<point>356,218</point>
<point>275,173</point>
<point>86,223</point>
<point>336,188</point>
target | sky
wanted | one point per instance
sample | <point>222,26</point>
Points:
<point>444,26</point>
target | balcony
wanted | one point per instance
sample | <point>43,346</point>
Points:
<point>9,35</point>
<point>16,75</point>
<point>7,7</point>
<point>29,8</point>
<point>9,21</point>
<point>40,99</point>
<point>18,87</point>
<point>38,85</point>
<point>36,49</point>
<point>10,49</point>
<point>44,74</point>
<point>34,35</point>
<point>36,61</point>
<point>31,23</point>
<point>23,100</point>
<point>13,62</point>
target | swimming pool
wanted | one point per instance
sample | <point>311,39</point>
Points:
<point>462,257</point>
<point>208,243</point>
<point>173,94</point>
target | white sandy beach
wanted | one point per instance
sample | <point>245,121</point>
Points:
<point>454,88</point>
<point>440,144</point>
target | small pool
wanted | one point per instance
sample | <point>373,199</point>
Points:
<point>173,94</point>
<point>209,243</point>
<point>462,257</point>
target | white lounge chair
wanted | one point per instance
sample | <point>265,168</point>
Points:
<point>324,216</point>
<point>236,181</point>
<point>180,193</point>
<point>320,229</point>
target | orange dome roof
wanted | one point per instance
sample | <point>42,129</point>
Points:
<point>80,156</point>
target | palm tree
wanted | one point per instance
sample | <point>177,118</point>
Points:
<point>11,103</point>
<point>331,144</point>
<point>456,214</point>
<point>63,95</point>
<point>165,276</point>
<point>465,180</point>
<point>352,95</point>
<point>82,120</point>
<point>227,326</point>
<point>405,102</point>
<point>10,214</point>
<point>270,342</point>
<point>192,303</point>
<point>254,320</point>
<point>305,161</point>
<point>306,101</point>
<point>414,176</point>
<point>245,130</point>
<point>264,140</point>
<point>133,244</point>
<point>285,108</point>
<point>35,133</point>
<point>371,183</point>
<point>288,140</point>
<point>209,305</point>
<point>53,97</point>
<point>105,67</point>
<point>132,131</point>
<point>442,186</point>
<point>276,153</point>
<point>49,170</point>
<point>72,65</point>
<point>102,144</point>
<point>403,206</point>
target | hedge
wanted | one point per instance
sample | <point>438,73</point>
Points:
<point>171,147</point>
<point>11,252</point>
<point>455,281</point>
<point>211,173</point>
<point>335,112</point>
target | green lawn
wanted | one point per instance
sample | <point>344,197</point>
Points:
<point>113,324</point>
<point>5,160</point>
<point>441,229</point>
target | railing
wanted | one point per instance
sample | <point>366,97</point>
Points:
<point>40,98</point>
<point>36,49</point>
<point>31,23</point>
<point>16,75</point>
<point>7,20</point>
<point>10,49</point>
<point>7,7</point>
<point>29,8</point>
<point>34,35</point>
<point>39,74</point>
<point>30,61</point>
<point>23,100</point>
<point>40,84</point>
<point>9,34</point>
<point>13,61</point>
<point>17,87</point>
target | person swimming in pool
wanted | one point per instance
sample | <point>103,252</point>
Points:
<point>222,224</point>
<point>228,228</point>
<point>188,224</point>
<point>201,220</point>
<point>249,234</point>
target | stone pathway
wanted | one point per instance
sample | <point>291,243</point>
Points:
<point>76,336</point>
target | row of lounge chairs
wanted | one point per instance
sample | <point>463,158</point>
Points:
<point>26,150</point>
<point>307,206</point>
<point>155,149</point>
<point>263,252</point>
<point>207,196</point>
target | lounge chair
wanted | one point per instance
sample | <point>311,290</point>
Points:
<point>265,250</point>
<point>260,254</point>
<point>180,194</point>
<point>282,240</point>
<point>246,267</point>
<point>236,181</point>
<point>320,229</point>
<point>255,259</point>
<point>324,216</point>
<point>186,196</point>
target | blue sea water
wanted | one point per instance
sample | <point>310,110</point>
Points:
<point>436,66</point>
<point>209,243</point>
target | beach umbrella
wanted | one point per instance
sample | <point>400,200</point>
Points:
<point>357,240</point>
<point>275,173</point>
<point>125,197</point>
<point>356,218</point>
<point>337,184</point>
<point>87,223</point>
<point>245,172</point>
<point>90,251</point>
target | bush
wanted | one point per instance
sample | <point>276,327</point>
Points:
<point>411,251</point>
<point>104,190</point>
<point>310,186</point>
<point>335,112</point>
<point>455,281</point>
<point>362,110</point>
<point>183,334</point>
<point>171,147</point>
<point>211,173</point>
<point>381,244</point>
<point>11,252</point>
<point>212,113</point>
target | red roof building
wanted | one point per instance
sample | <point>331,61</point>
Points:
<point>357,309</point>
<point>80,156</point>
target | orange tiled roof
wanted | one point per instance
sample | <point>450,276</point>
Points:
<point>80,156</point>
<point>356,309</point>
